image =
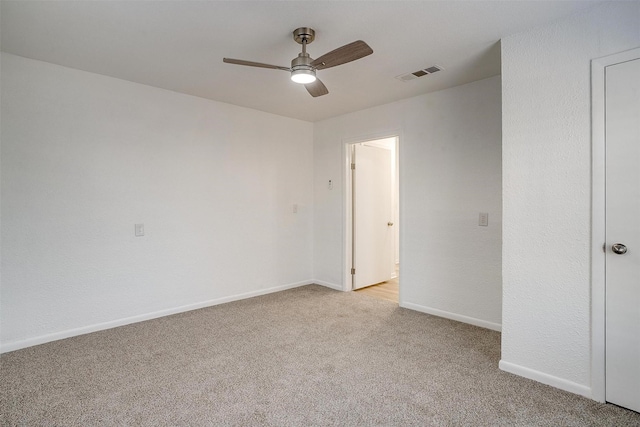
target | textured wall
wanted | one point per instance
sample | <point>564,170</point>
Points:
<point>449,172</point>
<point>85,157</point>
<point>547,188</point>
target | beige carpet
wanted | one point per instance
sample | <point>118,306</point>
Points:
<point>308,356</point>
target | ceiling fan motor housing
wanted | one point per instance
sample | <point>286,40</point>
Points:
<point>302,62</point>
<point>301,69</point>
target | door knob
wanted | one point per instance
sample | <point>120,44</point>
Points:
<point>619,248</point>
<point>390,224</point>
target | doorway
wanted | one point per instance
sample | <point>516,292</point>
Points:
<point>616,237</point>
<point>372,212</point>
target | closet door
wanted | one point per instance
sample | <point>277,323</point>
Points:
<point>622,316</point>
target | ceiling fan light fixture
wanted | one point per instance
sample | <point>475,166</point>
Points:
<point>303,76</point>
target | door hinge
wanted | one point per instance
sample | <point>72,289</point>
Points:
<point>353,166</point>
<point>353,271</point>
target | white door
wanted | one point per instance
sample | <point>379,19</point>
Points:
<point>622,141</point>
<point>373,216</point>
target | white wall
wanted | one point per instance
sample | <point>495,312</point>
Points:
<point>450,170</point>
<point>547,189</point>
<point>85,157</point>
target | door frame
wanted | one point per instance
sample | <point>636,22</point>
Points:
<point>347,238</point>
<point>598,223</point>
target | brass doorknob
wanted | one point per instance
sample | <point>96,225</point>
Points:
<point>390,224</point>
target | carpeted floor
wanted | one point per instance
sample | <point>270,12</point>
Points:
<point>303,357</point>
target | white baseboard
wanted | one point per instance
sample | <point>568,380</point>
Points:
<point>328,285</point>
<point>453,316</point>
<point>547,379</point>
<point>17,345</point>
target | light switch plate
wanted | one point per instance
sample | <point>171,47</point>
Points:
<point>139,230</point>
<point>483,219</point>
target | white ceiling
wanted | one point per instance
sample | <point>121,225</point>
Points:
<point>179,45</point>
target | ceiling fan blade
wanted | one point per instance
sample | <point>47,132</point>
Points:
<point>342,55</point>
<point>316,88</point>
<point>254,64</point>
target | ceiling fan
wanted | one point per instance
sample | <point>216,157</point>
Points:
<point>303,67</point>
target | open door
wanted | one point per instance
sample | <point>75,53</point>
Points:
<point>373,225</point>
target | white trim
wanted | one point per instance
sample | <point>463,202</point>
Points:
<point>17,345</point>
<point>328,285</point>
<point>453,316</point>
<point>547,379</point>
<point>598,237</point>
<point>347,200</point>
<point>384,143</point>
<point>347,214</point>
